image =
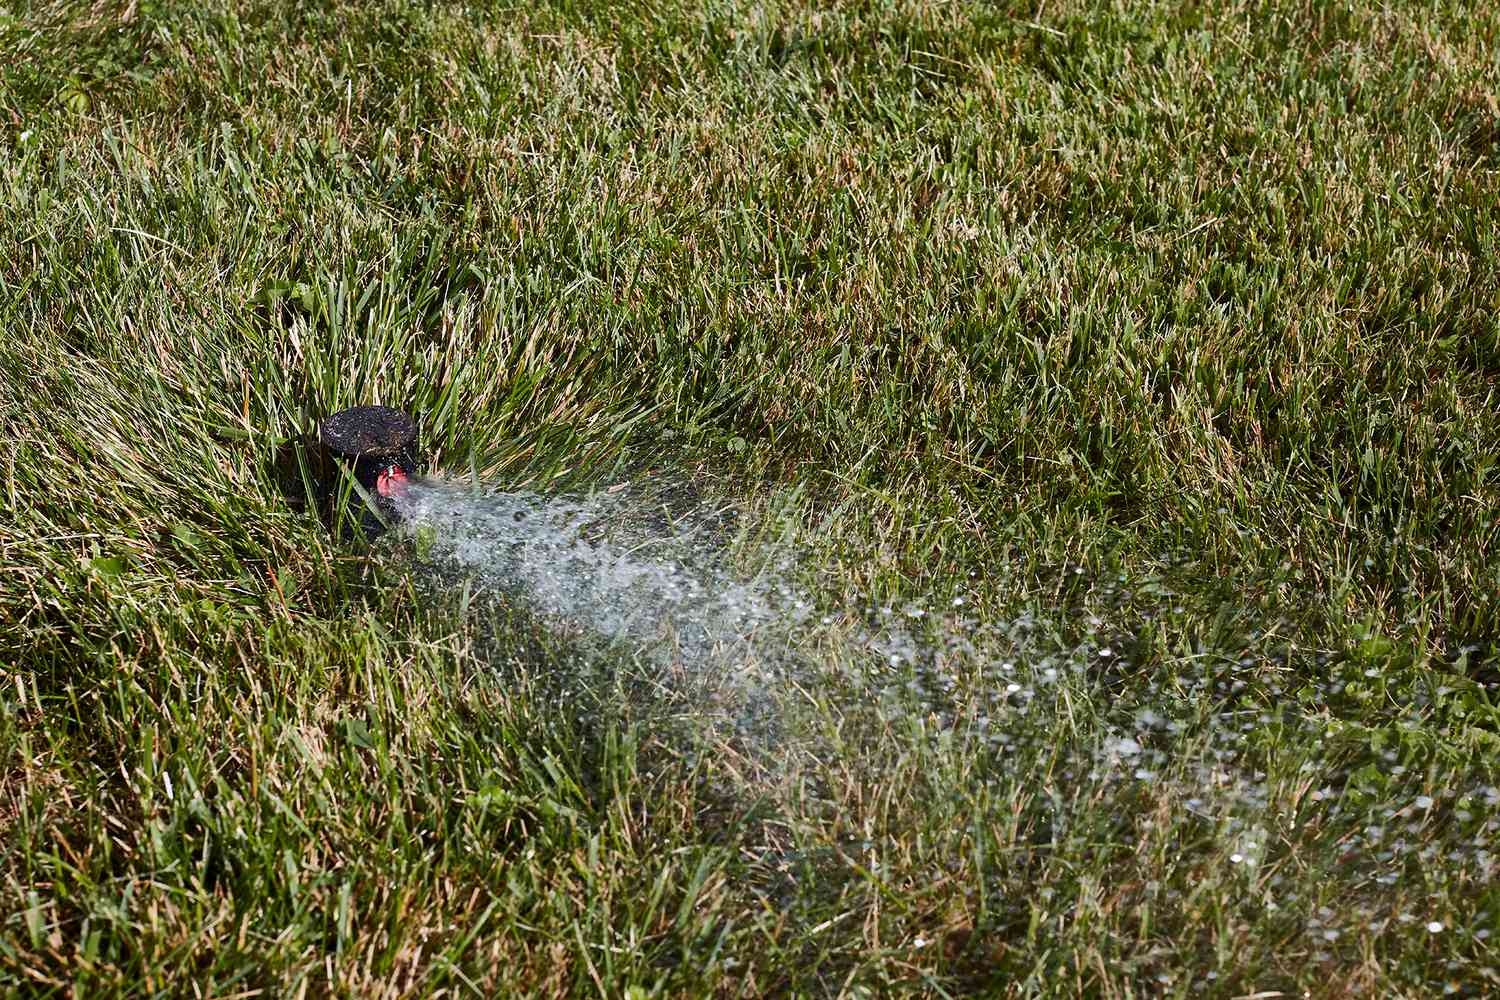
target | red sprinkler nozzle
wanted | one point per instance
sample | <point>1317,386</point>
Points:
<point>392,481</point>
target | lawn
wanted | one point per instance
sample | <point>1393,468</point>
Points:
<point>1142,360</point>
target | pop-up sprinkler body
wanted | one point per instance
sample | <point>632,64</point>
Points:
<point>378,446</point>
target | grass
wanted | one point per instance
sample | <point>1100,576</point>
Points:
<point>1168,327</point>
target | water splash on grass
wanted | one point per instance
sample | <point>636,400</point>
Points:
<point>1043,704</point>
<point>608,565</point>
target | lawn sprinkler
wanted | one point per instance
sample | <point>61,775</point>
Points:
<point>377,446</point>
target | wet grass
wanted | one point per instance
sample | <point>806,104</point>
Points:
<point>1162,329</point>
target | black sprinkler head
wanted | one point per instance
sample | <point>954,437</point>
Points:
<point>378,445</point>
